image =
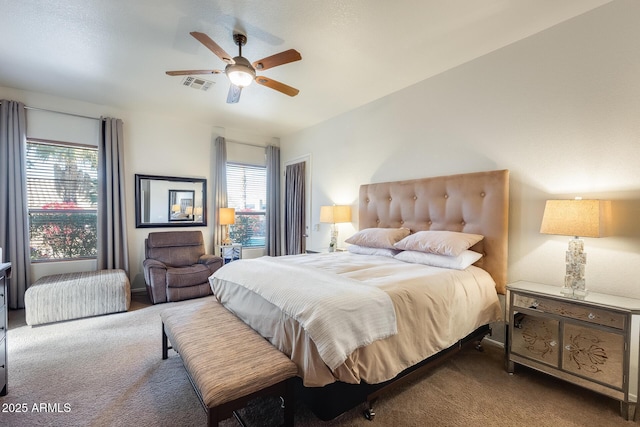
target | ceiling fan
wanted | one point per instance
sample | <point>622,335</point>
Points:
<point>240,71</point>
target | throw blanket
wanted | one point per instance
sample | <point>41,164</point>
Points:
<point>339,314</point>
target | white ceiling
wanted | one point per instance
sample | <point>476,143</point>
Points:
<point>116,52</point>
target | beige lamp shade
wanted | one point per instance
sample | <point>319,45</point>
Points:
<point>227,216</point>
<point>335,214</point>
<point>198,210</point>
<point>175,208</point>
<point>188,210</point>
<point>580,218</point>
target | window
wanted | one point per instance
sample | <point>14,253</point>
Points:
<point>62,193</point>
<point>247,193</point>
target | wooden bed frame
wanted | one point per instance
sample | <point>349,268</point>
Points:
<point>473,203</point>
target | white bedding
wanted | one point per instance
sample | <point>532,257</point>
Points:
<point>339,314</point>
<point>434,308</point>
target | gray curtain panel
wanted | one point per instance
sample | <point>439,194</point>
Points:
<point>294,215</point>
<point>219,189</point>
<point>14,224</point>
<point>112,220</point>
<point>274,230</point>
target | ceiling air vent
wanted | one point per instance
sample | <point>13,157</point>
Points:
<point>197,83</point>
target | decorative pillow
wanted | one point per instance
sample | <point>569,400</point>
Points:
<point>378,237</point>
<point>450,243</point>
<point>363,250</point>
<point>460,262</point>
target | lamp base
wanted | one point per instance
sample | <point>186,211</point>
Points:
<point>227,240</point>
<point>576,260</point>
<point>333,244</point>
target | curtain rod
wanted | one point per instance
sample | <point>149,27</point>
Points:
<point>26,107</point>
<point>61,112</point>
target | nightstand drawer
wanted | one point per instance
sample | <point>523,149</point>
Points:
<point>573,311</point>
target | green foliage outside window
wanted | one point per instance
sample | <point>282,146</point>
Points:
<point>63,235</point>
<point>249,230</point>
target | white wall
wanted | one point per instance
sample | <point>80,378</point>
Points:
<point>560,110</point>
<point>153,145</point>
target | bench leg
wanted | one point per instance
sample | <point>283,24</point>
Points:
<point>289,403</point>
<point>165,345</point>
<point>212,417</point>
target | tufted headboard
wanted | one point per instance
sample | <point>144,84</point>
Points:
<point>471,203</point>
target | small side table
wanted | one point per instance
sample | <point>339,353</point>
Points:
<point>230,253</point>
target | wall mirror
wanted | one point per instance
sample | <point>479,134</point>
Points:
<point>169,201</point>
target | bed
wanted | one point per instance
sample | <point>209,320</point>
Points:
<point>369,319</point>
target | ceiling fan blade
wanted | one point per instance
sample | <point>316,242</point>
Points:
<point>234,94</point>
<point>188,72</point>
<point>276,85</point>
<point>281,58</point>
<point>213,46</point>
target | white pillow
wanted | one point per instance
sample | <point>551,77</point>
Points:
<point>378,237</point>
<point>460,262</point>
<point>439,242</point>
<point>363,250</point>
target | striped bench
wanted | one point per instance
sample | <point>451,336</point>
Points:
<point>74,295</point>
<point>227,362</point>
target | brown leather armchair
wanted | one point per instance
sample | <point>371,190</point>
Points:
<point>176,266</point>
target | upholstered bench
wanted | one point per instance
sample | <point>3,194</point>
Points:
<point>75,295</point>
<point>227,362</point>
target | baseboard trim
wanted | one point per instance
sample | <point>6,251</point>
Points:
<point>494,342</point>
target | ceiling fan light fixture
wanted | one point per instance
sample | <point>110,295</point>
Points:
<point>241,73</point>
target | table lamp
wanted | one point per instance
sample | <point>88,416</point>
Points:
<point>578,218</point>
<point>227,217</point>
<point>334,215</point>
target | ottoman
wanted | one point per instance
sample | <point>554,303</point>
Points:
<point>75,295</point>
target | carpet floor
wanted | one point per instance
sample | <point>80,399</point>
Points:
<point>108,371</point>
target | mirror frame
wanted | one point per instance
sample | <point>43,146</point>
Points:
<point>174,183</point>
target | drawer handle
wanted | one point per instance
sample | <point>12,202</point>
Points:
<point>552,343</point>
<point>534,304</point>
<point>591,316</point>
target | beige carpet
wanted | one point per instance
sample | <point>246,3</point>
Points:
<point>108,371</point>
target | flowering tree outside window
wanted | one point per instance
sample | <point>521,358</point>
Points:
<point>62,195</point>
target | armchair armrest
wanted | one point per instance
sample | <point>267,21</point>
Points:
<point>155,278</point>
<point>213,262</point>
<point>209,259</point>
<point>153,263</point>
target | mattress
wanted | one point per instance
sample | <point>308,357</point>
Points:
<point>434,308</point>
